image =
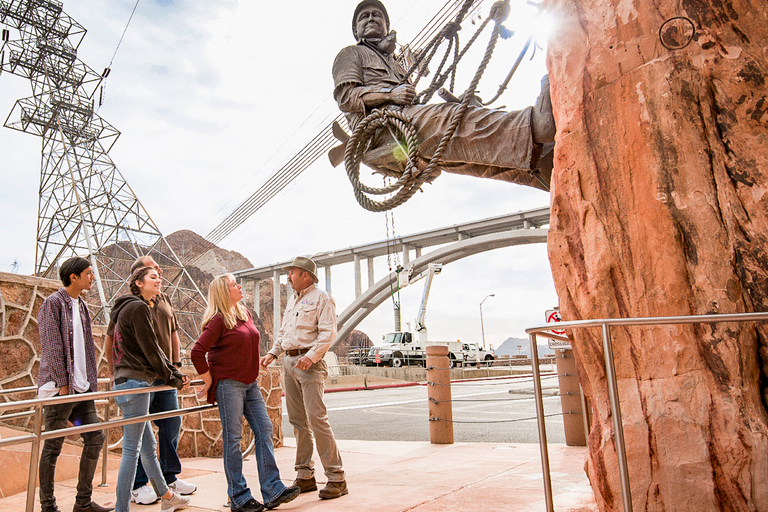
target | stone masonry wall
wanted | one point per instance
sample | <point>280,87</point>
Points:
<point>20,301</point>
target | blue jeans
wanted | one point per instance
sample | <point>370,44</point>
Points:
<point>167,436</point>
<point>236,400</point>
<point>138,439</point>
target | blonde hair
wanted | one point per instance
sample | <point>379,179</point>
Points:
<point>219,302</point>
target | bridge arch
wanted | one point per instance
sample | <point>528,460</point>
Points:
<point>375,295</point>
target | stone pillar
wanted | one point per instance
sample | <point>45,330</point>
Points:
<point>439,393</point>
<point>406,255</point>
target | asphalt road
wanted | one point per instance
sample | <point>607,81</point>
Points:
<point>490,411</point>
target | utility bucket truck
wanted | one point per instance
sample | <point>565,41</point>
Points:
<point>405,348</point>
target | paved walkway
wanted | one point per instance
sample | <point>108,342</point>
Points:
<point>394,476</point>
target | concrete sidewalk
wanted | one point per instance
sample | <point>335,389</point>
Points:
<point>394,476</point>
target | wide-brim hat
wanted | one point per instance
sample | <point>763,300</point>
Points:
<point>304,264</point>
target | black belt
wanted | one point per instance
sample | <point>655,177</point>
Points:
<point>297,352</point>
<point>120,380</point>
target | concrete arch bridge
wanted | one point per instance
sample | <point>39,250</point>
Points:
<point>452,243</point>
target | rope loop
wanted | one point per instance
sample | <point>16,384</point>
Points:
<point>412,179</point>
<point>408,183</point>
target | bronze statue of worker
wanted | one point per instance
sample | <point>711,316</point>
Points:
<point>489,143</point>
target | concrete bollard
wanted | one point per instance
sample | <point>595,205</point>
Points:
<point>570,399</point>
<point>439,393</point>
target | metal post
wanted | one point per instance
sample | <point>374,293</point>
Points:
<point>482,326</point>
<point>34,459</point>
<point>618,428</point>
<point>105,448</point>
<point>542,426</point>
<point>585,413</point>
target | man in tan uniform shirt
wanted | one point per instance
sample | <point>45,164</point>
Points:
<point>307,332</point>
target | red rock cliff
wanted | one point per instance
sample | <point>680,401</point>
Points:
<point>659,208</point>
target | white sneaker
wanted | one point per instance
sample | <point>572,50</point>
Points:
<point>175,503</point>
<point>182,487</point>
<point>144,495</point>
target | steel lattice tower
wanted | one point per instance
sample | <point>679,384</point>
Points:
<point>85,205</point>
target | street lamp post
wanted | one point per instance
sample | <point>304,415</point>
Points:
<point>482,327</point>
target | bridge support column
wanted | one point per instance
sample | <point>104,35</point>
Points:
<point>370,272</point>
<point>358,279</point>
<point>327,271</point>
<point>406,255</point>
<point>257,297</point>
<point>276,310</point>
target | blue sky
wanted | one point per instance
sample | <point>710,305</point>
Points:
<point>212,97</point>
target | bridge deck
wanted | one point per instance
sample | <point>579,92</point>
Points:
<point>523,219</point>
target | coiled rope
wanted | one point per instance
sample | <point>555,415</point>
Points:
<point>398,123</point>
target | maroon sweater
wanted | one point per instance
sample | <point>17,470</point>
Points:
<point>231,353</point>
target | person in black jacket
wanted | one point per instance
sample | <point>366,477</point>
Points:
<point>138,362</point>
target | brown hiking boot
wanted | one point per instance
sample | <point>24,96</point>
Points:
<point>333,490</point>
<point>306,485</point>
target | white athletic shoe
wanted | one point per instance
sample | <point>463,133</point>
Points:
<point>175,503</point>
<point>182,487</point>
<point>144,495</point>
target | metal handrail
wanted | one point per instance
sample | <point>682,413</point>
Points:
<point>38,435</point>
<point>613,396</point>
<point>28,389</point>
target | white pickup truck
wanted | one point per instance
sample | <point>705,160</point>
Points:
<point>475,355</point>
<point>403,349</point>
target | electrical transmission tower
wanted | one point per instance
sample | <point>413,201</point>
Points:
<point>85,206</point>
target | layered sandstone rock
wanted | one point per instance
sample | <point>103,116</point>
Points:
<point>659,208</point>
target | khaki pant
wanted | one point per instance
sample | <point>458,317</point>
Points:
<point>307,413</point>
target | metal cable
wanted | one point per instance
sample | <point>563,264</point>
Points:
<point>497,421</point>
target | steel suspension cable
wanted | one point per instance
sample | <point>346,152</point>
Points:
<point>319,144</point>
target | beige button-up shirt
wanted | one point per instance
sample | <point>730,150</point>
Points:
<point>309,321</point>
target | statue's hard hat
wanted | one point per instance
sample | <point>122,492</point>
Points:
<point>375,3</point>
<point>304,264</point>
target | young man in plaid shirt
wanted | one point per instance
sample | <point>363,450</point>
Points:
<point>67,367</point>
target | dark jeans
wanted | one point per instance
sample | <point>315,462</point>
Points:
<point>167,436</point>
<point>56,416</point>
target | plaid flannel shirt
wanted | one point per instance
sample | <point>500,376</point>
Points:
<point>54,323</point>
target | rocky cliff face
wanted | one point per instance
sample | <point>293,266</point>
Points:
<point>659,208</point>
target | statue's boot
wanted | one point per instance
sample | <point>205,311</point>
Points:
<point>542,119</point>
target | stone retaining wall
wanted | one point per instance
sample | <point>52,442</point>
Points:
<point>20,301</point>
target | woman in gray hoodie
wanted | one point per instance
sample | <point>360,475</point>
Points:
<point>139,361</point>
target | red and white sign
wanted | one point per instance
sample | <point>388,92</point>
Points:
<point>553,315</point>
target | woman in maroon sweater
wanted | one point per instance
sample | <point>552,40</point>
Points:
<point>227,358</point>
